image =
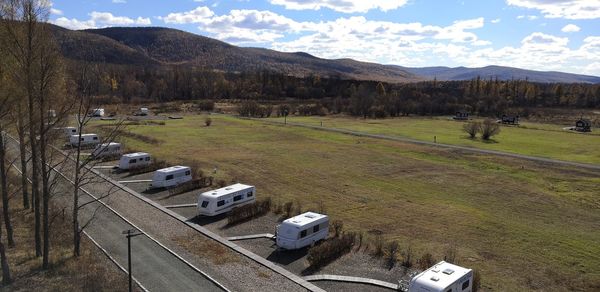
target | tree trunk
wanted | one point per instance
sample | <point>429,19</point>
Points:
<point>4,262</point>
<point>76,231</point>
<point>45,169</point>
<point>23,154</point>
<point>4,186</point>
<point>35,180</point>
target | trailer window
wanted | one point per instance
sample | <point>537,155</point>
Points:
<point>73,131</point>
<point>132,161</point>
<point>315,228</point>
<point>237,198</point>
<point>449,290</point>
<point>81,139</point>
<point>250,194</point>
<point>302,233</point>
<point>220,203</point>
<point>95,138</point>
<point>169,177</point>
<point>147,158</point>
<point>204,204</point>
<point>187,172</point>
<point>465,285</point>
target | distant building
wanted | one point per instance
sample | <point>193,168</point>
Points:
<point>461,115</point>
<point>509,119</point>
<point>583,125</point>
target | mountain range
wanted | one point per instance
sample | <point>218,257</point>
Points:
<point>156,46</point>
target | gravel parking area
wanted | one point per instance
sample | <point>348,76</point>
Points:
<point>353,264</point>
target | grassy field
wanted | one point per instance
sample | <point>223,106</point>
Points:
<point>544,140</point>
<point>525,226</point>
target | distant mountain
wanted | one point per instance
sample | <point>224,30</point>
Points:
<point>155,46</point>
<point>502,73</point>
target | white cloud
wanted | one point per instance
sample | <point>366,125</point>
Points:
<point>497,20</point>
<point>100,19</point>
<point>56,11</point>
<point>529,17</point>
<point>346,6</point>
<point>570,28</point>
<point>570,9</point>
<point>197,15</point>
<point>119,1</point>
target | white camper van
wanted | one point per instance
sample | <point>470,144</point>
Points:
<point>107,149</point>
<point>302,230</point>
<point>86,139</point>
<point>171,176</point>
<point>134,160</point>
<point>144,111</point>
<point>97,112</point>
<point>443,277</point>
<point>224,199</point>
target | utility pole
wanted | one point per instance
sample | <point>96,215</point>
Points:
<point>129,234</point>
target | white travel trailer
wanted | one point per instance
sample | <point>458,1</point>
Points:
<point>86,139</point>
<point>302,230</point>
<point>171,176</point>
<point>97,112</point>
<point>224,199</point>
<point>443,277</point>
<point>144,111</point>
<point>69,131</point>
<point>134,160</point>
<point>107,149</point>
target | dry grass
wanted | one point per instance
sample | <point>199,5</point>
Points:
<point>505,213</point>
<point>92,271</point>
<point>206,248</point>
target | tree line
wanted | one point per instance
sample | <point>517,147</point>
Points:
<point>120,83</point>
<point>38,96</point>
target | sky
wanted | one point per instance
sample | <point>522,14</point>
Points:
<point>547,35</point>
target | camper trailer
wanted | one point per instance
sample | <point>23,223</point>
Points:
<point>97,112</point>
<point>443,277</point>
<point>67,131</point>
<point>171,176</point>
<point>107,149</point>
<point>143,111</point>
<point>222,200</point>
<point>134,160</point>
<point>302,230</point>
<point>85,140</point>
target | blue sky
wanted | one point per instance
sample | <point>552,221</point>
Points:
<point>561,35</point>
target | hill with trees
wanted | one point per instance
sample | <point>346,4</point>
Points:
<point>156,46</point>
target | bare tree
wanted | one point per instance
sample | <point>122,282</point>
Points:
<point>472,128</point>
<point>489,128</point>
<point>87,79</point>
<point>4,262</point>
<point>21,32</point>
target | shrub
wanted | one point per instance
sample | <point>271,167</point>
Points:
<point>156,164</point>
<point>206,105</point>
<point>337,226</point>
<point>489,128</point>
<point>287,209</point>
<point>476,280</point>
<point>425,262</point>
<point>378,246</point>
<point>450,254</point>
<point>407,257</point>
<point>472,128</point>
<point>391,253</point>
<point>208,122</point>
<point>187,187</point>
<point>249,211</point>
<point>328,251</point>
<point>221,183</point>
